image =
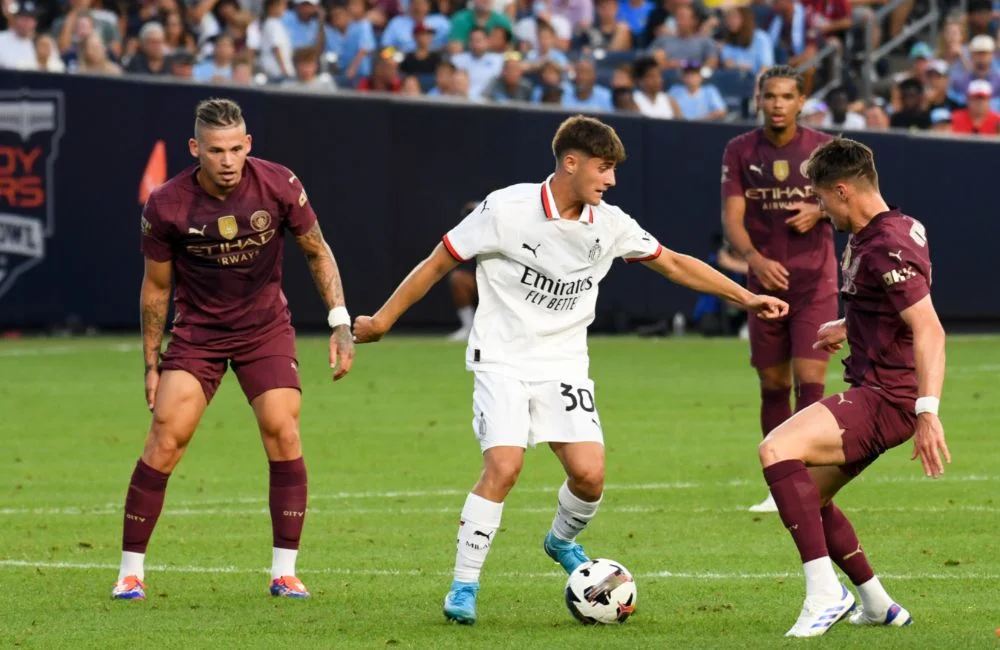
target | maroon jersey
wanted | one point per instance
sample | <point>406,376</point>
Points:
<point>226,253</point>
<point>887,268</point>
<point>770,179</point>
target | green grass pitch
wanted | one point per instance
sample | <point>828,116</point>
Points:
<point>391,454</point>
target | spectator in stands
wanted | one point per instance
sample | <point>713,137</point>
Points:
<point>460,85</point>
<point>789,32</point>
<point>578,13</point>
<point>94,60</point>
<point>671,51</point>
<point>697,100</point>
<point>550,76</point>
<point>243,69</point>
<point>608,33</point>
<point>551,95</point>
<point>219,68</point>
<point>480,15</point>
<point>584,93</point>
<point>228,16</point>
<point>829,20</point>
<point>545,49</point>
<point>622,76</point>
<point>649,96</point>
<point>275,42</point>
<point>510,86</point>
<point>634,14</point>
<point>385,76</point>
<point>953,46</point>
<point>622,100</point>
<point>662,21</point>
<point>307,74</point>
<point>181,66</point>
<point>814,113</point>
<point>526,29</point>
<point>444,80</point>
<point>977,118</point>
<point>65,27</point>
<point>876,118</point>
<point>151,58</point>
<point>410,87</point>
<point>46,55</point>
<point>177,35</point>
<point>912,114</point>
<point>941,120</point>
<point>981,50</point>
<point>422,60</point>
<point>399,33</point>
<point>936,85</point>
<point>351,38</point>
<point>838,100</point>
<point>744,47</point>
<point>481,66</point>
<point>920,56</point>
<point>303,24</point>
<point>17,43</point>
<point>979,15</point>
<point>500,40</point>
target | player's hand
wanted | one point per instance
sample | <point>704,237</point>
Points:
<point>152,382</point>
<point>831,336</point>
<point>773,275</point>
<point>768,307</point>
<point>341,351</point>
<point>367,329</point>
<point>929,444</point>
<point>806,216</point>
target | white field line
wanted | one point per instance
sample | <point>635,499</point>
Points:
<point>56,350</point>
<point>682,575</point>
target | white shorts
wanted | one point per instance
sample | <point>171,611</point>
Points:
<point>515,413</point>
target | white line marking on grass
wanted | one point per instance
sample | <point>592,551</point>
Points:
<point>56,350</point>
<point>681,575</point>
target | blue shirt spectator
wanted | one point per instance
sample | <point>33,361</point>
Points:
<point>583,93</point>
<point>346,38</point>
<point>697,101</point>
<point>981,49</point>
<point>399,32</point>
<point>481,66</point>
<point>302,23</point>
<point>745,47</point>
<point>634,14</point>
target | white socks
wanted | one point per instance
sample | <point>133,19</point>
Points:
<point>283,562</point>
<point>480,521</point>
<point>132,565</point>
<point>821,580</point>
<point>465,316</point>
<point>572,515</point>
<point>874,599</point>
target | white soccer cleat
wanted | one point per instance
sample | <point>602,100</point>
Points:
<point>767,505</point>
<point>895,616</point>
<point>819,614</point>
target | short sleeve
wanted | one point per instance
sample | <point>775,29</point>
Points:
<point>155,237</point>
<point>732,181</point>
<point>366,39</point>
<point>633,244</point>
<point>715,100</point>
<point>477,234</point>
<point>299,215</point>
<point>902,266</point>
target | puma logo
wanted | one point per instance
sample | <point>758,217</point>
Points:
<point>755,168</point>
<point>195,231</point>
<point>857,552</point>
<point>898,256</point>
<point>482,534</point>
<point>843,400</point>
<point>534,251</point>
<point>793,527</point>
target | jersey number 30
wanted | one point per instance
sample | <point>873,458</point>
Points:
<point>583,398</point>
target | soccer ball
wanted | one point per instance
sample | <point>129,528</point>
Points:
<point>601,591</point>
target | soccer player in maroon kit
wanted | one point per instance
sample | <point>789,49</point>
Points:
<point>895,370</point>
<point>216,230</point>
<point>772,220</point>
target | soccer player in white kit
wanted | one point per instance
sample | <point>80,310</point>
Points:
<point>541,250</point>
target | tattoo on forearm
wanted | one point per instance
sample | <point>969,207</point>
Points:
<point>154,320</point>
<point>323,267</point>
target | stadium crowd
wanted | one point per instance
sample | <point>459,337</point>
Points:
<point>680,59</point>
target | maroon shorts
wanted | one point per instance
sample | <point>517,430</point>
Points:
<point>773,343</point>
<point>872,425</point>
<point>260,366</point>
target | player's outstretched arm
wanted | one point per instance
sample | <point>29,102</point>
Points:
<point>928,352</point>
<point>415,286</point>
<point>154,303</point>
<point>695,274</point>
<point>326,275</point>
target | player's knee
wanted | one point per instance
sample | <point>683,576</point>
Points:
<point>771,451</point>
<point>588,482</point>
<point>501,474</point>
<point>773,383</point>
<point>284,437</point>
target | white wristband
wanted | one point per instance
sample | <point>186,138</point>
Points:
<point>338,316</point>
<point>927,405</point>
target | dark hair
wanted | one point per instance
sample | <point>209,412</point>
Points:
<point>305,54</point>
<point>744,37</point>
<point>446,64</point>
<point>839,90</point>
<point>217,113</point>
<point>782,72</point>
<point>642,66</point>
<point>590,137</point>
<point>911,84</point>
<point>479,29</point>
<point>841,159</point>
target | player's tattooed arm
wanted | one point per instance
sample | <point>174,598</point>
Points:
<point>323,266</point>
<point>154,304</point>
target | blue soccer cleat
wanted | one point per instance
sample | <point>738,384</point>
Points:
<point>569,554</point>
<point>460,603</point>
<point>129,588</point>
<point>895,616</point>
<point>288,587</point>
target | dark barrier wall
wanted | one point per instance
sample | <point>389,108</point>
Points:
<point>387,179</point>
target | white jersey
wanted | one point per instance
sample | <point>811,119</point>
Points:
<point>538,277</point>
